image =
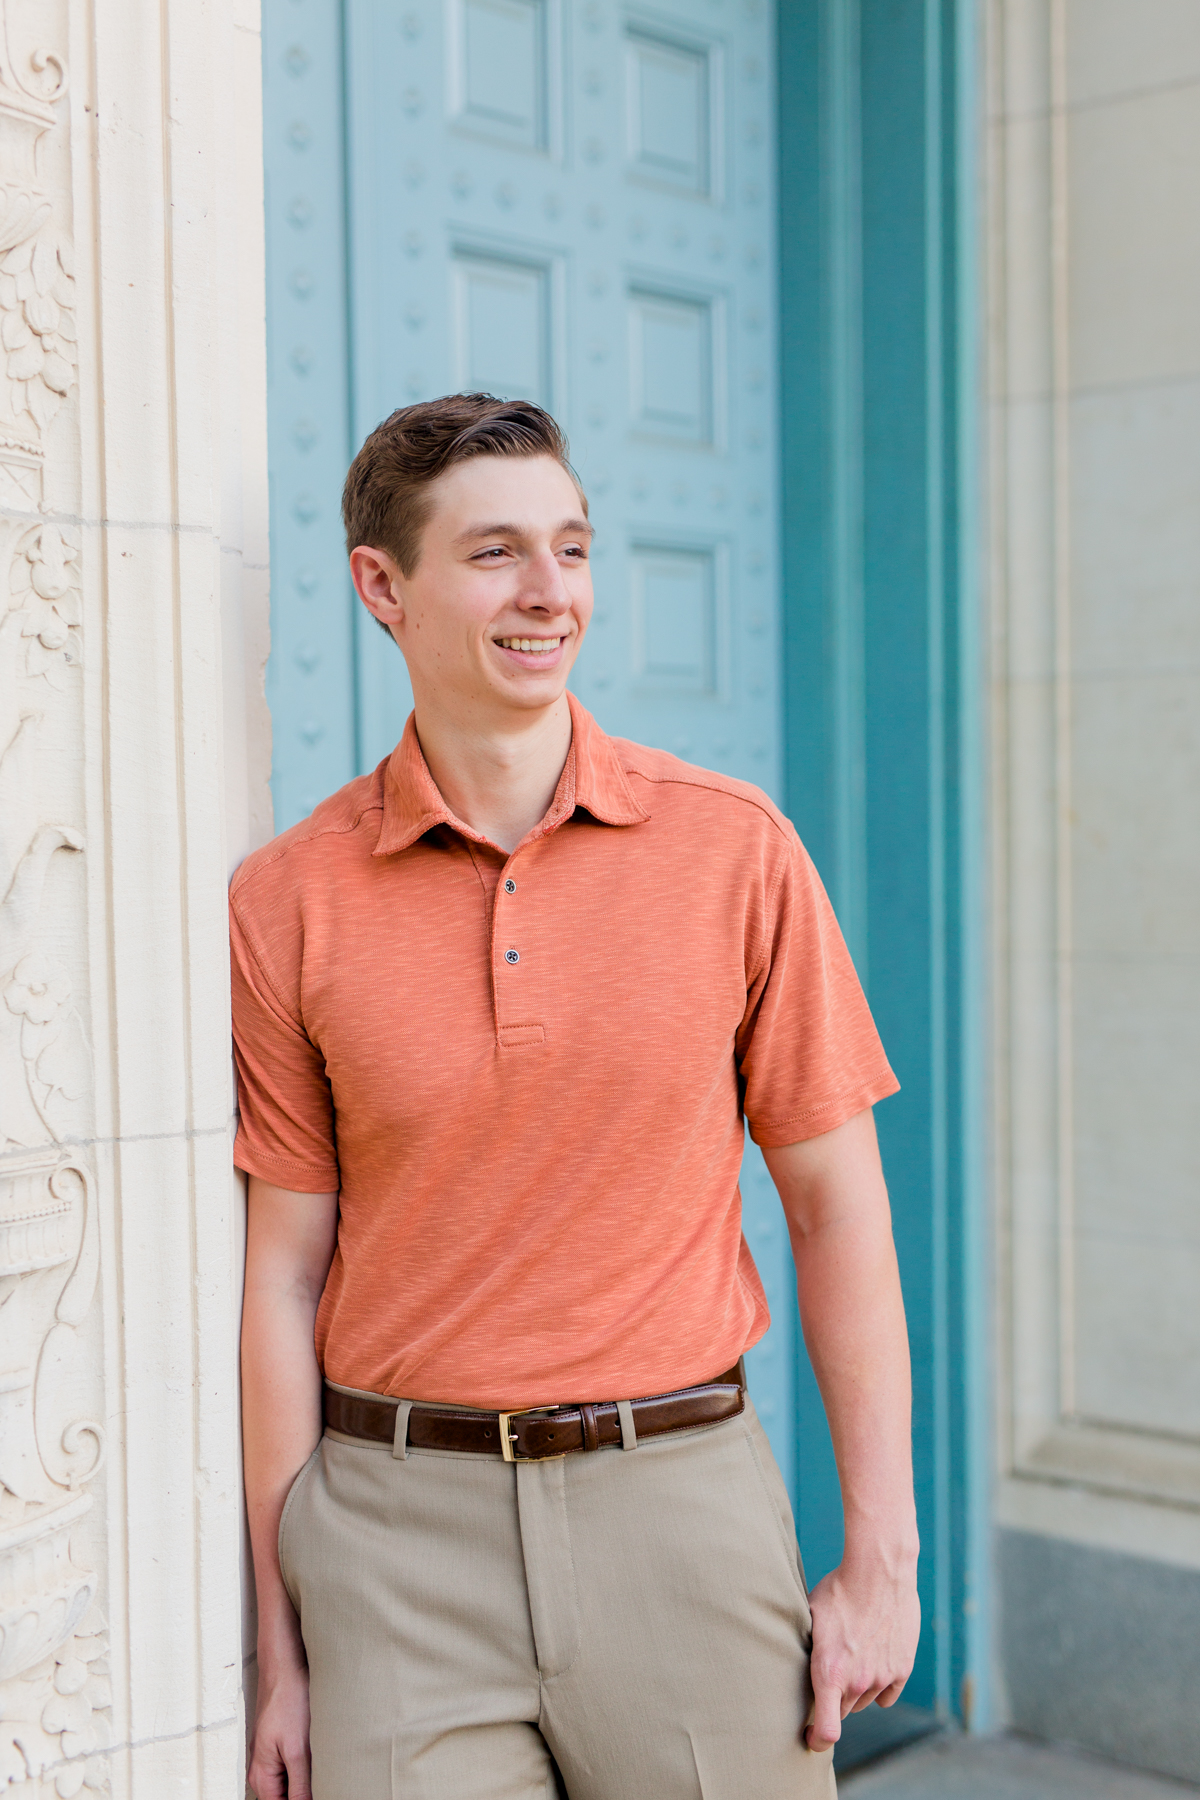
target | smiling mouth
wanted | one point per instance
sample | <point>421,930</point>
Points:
<point>535,646</point>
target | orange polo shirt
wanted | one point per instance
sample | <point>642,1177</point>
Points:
<point>526,1075</point>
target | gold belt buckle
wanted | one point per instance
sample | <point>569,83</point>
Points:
<point>508,1438</point>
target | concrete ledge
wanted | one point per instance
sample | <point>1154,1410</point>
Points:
<point>1102,1651</point>
<point>1003,1768</point>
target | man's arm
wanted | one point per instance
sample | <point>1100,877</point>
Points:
<point>866,1616</point>
<point>290,1241</point>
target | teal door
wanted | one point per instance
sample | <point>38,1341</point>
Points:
<point>593,204</point>
<point>574,204</point>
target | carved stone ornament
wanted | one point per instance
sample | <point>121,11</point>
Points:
<point>54,1691</point>
<point>37,288</point>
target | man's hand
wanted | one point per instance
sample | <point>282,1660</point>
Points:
<point>865,1629</point>
<point>279,1760</point>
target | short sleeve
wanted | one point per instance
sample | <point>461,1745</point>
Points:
<point>286,1127</point>
<point>807,1049</point>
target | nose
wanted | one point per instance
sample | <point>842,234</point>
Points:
<point>543,589</point>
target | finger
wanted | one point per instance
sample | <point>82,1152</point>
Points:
<point>864,1699</point>
<point>265,1784</point>
<point>825,1722</point>
<point>891,1694</point>
<point>299,1773</point>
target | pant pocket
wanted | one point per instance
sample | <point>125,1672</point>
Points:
<point>774,1494</point>
<point>285,1519</point>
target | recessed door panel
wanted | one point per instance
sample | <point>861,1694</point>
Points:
<point>674,601</point>
<point>498,62</point>
<point>501,326</point>
<point>668,100</point>
<point>671,366</point>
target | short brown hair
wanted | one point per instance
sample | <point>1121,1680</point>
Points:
<point>385,502</point>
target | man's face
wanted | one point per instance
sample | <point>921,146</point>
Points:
<point>504,564</point>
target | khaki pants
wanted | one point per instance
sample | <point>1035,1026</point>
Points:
<point>641,1614</point>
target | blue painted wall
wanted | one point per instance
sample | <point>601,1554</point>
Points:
<point>881,688</point>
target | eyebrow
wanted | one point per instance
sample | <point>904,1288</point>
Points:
<point>474,533</point>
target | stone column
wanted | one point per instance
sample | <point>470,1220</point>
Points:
<point>134,752</point>
<point>1094,255</point>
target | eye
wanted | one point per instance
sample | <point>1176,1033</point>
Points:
<point>496,551</point>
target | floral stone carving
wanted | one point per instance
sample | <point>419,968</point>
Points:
<point>37,288</point>
<point>44,583</point>
<point>55,1719</point>
<point>54,1689</point>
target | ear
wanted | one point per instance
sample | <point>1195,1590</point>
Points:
<point>379,583</point>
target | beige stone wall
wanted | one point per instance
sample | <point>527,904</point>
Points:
<point>134,754</point>
<point>1094,249</point>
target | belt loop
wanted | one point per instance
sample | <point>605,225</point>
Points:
<point>628,1429</point>
<point>400,1441</point>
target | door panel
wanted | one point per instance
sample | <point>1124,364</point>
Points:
<point>572,204</point>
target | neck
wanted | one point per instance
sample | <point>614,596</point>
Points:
<point>498,778</point>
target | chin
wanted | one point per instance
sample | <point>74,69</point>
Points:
<point>544,693</point>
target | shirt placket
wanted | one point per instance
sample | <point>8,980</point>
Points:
<point>518,984</point>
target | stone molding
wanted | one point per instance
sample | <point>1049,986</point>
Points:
<point>134,756</point>
<point>1065,1467</point>
<point>55,1692</point>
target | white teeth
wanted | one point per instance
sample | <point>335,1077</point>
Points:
<point>538,645</point>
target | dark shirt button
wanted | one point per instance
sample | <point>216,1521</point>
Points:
<point>510,886</point>
<point>512,956</point>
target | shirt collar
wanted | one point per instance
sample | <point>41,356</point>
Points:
<point>592,778</point>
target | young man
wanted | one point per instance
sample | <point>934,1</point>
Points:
<point>499,1011</point>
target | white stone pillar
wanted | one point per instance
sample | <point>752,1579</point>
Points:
<point>1094,263</point>
<point>134,754</point>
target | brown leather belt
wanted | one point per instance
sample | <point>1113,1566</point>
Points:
<point>531,1434</point>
